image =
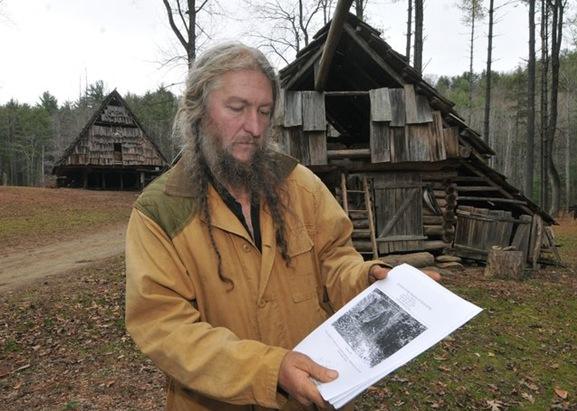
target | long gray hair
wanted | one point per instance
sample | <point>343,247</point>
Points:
<point>204,75</point>
<point>203,78</point>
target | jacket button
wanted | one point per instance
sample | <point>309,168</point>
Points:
<point>246,248</point>
<point>262,302</point>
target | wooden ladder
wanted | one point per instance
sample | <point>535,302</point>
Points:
<point>362,218</point>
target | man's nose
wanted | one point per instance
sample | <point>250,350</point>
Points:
<point>254,123</point>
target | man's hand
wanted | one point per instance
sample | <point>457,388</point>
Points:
<point>295,377</point>
<point>378,272</point>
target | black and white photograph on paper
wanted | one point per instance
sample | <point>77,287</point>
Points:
<point>377,327</point>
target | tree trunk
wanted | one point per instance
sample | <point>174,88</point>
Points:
<point>556,38</point>
<point>530,159</point>
<point>359,9</point>
<point>567,154</point>
<point>544,104</point>
<point>471,53</point>
<point>418,50</point>
<point>505,264</point>
<point>488,74</point>
<point>409,29</point>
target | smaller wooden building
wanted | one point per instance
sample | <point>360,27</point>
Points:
<point>112,152</point>
<point>410,172</point>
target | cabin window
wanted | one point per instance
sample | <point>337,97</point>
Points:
<point>117,151</point>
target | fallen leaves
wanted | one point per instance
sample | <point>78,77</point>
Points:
<point>561,393</point>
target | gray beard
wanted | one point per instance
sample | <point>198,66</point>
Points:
<point>233,173</point>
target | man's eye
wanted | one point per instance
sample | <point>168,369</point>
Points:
<point>237,109</point>
<point>265,112</point>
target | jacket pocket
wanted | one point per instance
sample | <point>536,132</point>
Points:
<point>302,279</point>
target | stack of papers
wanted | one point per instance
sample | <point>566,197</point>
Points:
<point>381,329</point>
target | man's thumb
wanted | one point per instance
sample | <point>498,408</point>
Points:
<point>322,374</point>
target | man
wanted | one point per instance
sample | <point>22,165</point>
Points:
<point>237,253</point>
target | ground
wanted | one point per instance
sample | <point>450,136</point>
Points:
<point>63,345</point>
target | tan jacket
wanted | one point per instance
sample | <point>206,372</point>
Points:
<point>222,349</point>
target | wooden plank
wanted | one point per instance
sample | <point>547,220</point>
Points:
<point>418,139</point>
<point>410,104</point>
<point>346,93</point>
<point>438,150</point>
<point>299,147</point>
<point>380,141</point>
<point>476,188</point>
<point>399,145</point>
<point>404,205</point>
<point>293,109</point>
<point>523,235</point>
<point>451,139</point>
<point>317,147</point>
<point>313,111</point>
<point>350,153</point>
<point>279,113</point>
<point>424,111</point>
<point>492,199</point>
<point>380,104</point>
<point>397,100</point>
<point>407,237</point>
<point>372,228</point>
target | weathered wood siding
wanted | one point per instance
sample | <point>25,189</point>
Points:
<point>114,127</point>
<point>398,207</point>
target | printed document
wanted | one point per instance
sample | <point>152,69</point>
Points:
<point>382,328</point>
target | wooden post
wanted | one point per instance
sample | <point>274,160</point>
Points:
<point>84,178</point>
<point>370,217</point>
<point>141,180</point>
<point>121,181</point>
<point>505,264</point>
<point>344,193</point>
<point>331,43</point>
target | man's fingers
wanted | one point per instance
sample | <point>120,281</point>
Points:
<point>320,373</point>
<point>378,273</point>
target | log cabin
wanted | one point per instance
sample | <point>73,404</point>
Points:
<point>408,170</point>
<point>112,152</point>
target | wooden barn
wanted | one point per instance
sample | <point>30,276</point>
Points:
<point>409,171</point>
<point>112,152</point>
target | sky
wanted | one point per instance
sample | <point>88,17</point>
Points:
<point>62,45</point>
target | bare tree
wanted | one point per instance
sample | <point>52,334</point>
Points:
<point>488,73</point>
<point>544,33</point>
<point>530,160</point>
<point>360,8</point>
<point>409,28</point>
<point>418,47</point>
<point>409,34</point>
<point>472,12</point>
<point>327,8</point>
<point>557,9</point>
<point>289,23</point>
<point>184,22</point>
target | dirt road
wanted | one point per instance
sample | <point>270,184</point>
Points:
<point>21,267</point>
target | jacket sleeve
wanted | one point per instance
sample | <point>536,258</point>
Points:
<point>344,272</point>
<point>162,320</point>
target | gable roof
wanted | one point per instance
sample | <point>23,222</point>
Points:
<point>364,61</point>
<point>113,97</point>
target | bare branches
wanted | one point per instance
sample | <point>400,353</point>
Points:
<point>173,24</point>
<point>288,23</point>
<point>184,22</point>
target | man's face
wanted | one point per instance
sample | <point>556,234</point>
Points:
<point>239,112</point>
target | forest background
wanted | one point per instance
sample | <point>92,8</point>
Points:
<point>33,136</point>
